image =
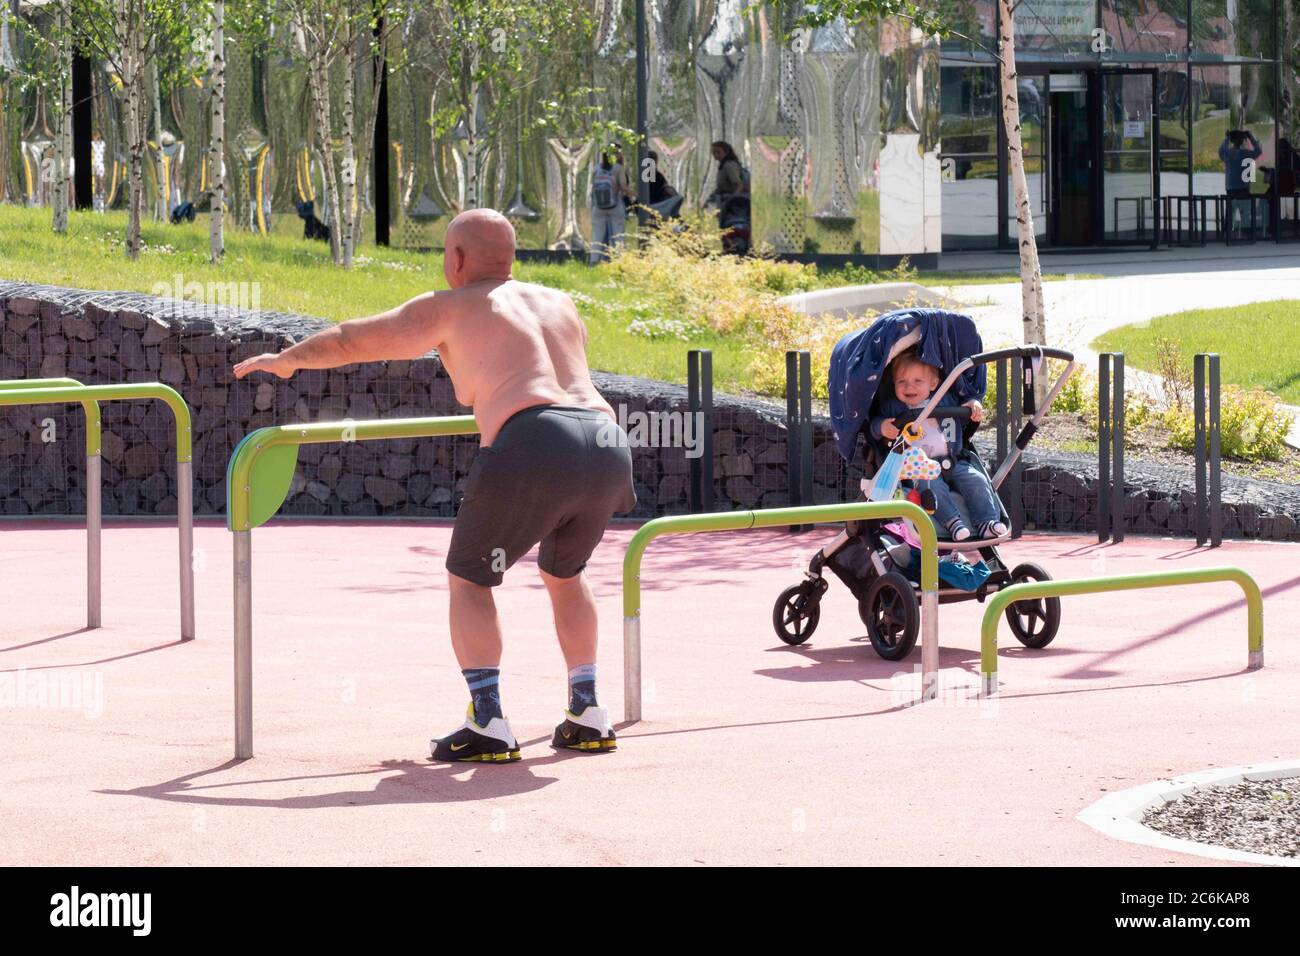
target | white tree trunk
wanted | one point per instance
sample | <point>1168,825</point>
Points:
<point>347,239</point>
<point>318,80</point>
<point>163,204</point>
<point>217,148</point>
<point>1030,272</point>
<point>133,60</point>
<point>63,136</point>
<point>472,135</point>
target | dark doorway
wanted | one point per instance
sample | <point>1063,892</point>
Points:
<point>1072,169</point>
<point>1088,139</point>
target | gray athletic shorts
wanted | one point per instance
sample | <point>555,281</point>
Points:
<point>554,474</point>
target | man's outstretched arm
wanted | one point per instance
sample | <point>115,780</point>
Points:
<point>406,332</point>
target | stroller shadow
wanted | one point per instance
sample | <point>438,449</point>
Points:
<point>860,664</point>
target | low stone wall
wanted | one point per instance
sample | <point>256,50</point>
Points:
<point>112,337</point>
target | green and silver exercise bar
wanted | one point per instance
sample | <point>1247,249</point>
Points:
<point>769,518</point>
<point>51,391</point>
<point>1034,590</point>
<point>257,481</point>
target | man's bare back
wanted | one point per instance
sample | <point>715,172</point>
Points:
<point>509,346</point>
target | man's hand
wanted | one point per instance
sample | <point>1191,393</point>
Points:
<point>976,410</point>
<point>888,429</point>
<point>271,362</point>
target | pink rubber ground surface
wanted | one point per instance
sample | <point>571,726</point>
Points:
<point>750,751</point>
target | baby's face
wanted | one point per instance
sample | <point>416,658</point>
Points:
<point>915,382</point>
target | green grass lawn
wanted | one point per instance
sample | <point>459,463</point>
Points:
<point>1259,344</point>
<point>294,275</point>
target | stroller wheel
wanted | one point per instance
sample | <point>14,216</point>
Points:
<point>892,616</point>
<point>1033,622</point>
<point>797,612</point>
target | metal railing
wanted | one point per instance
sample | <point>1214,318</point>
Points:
<point>1126,582</point>
<point>70,391</point>
<point>768,518</point>
<point>257,481</point>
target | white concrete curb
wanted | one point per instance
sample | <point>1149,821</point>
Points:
<point>1119,815</point>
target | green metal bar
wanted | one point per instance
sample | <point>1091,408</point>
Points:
<point>69,390</point>
<point>111,393</point>
<point>239,482</point>
<point>768,518</point>
<point>242,478</point>
<point>93,429</point>
<point>1127,582</point>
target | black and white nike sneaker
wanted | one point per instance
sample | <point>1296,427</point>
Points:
<point>590,731</point>
<point>472,742</point>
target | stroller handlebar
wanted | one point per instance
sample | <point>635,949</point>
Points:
<point>1024,351</point>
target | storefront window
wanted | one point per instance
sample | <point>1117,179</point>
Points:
<point>1228,30</point>
<point>1174,107</point>
<point>977,23</point>
<point>1230,98</point>
<point>968,159</point>
<point>1149,31</point>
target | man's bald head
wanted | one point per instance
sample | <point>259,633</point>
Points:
<point>480,244</point>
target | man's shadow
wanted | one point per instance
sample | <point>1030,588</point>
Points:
<point>413,782</point>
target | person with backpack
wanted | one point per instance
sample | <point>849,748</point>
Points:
<point>609,185</point>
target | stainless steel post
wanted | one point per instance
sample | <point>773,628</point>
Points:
<point>632,668</point>
<point>243,644</point>
<point>929,645</point>
<point>94,526</point>
<point>185,525</point>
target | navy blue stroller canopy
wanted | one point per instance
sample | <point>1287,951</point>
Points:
<point>858,362</point>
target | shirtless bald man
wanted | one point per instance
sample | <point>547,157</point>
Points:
<point>553,466</point>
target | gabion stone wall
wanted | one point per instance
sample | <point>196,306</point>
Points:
<point>113,337</point>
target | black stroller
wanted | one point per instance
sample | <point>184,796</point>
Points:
<point>874,562</point>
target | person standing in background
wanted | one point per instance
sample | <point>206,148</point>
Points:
<point>1238,170</point>
<point>609,186</point>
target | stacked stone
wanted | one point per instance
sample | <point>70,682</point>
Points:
<point>113,337</point>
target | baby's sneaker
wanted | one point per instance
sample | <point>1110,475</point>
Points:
<point>993,529</point>
<point>958,531</point>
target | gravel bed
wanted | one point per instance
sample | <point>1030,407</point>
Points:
<point>1255,816</point>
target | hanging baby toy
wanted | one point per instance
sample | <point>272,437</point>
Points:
<point>906,461</point>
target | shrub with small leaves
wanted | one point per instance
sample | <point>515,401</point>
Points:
<point>1252,425</point>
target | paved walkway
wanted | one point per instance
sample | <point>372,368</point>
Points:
<point>750,751</point>
<point>1137,287</point>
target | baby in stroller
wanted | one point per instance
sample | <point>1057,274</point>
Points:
<point>902,378</point>
<point>914,384</point>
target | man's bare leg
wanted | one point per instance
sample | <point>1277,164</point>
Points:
<point>475,631</point>
<point>575,617</point>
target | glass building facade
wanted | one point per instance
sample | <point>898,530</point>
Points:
<point>1124,105</point>
<point>865,140</point>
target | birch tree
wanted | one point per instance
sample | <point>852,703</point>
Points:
<point>160,162</point>
<point>334,36</point>
<point>127,35</point>
<point>940,22</point>
<point>46,70</point>
<point>216,158</point>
